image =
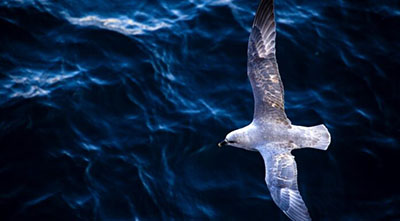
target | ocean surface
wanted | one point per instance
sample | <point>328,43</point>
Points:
<point>111,110</point>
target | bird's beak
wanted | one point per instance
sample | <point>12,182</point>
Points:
<point>222,143</point>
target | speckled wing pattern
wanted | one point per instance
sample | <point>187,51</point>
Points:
<point>262,67</point>
<point>281,179</point>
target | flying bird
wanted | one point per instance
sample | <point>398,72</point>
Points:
<point>271,133</point>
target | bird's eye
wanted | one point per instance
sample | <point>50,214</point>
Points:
<point>232,142</point>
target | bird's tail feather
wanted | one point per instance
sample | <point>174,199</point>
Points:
<point>318,137</point>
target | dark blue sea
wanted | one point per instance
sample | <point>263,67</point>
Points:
<point>111,110</point>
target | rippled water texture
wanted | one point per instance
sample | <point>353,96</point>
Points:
<point>111,110</point>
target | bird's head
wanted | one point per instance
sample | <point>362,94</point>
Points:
<point>237,138</point>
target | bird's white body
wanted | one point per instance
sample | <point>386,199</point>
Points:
<point>257,134</point>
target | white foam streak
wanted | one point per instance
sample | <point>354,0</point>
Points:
<point>122,25</point>
<point>32,92</point>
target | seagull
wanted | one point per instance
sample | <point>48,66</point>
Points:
<point>271,133</point>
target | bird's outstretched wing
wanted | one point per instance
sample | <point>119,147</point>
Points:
<point>281,179</point>
<point>262,68</point>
